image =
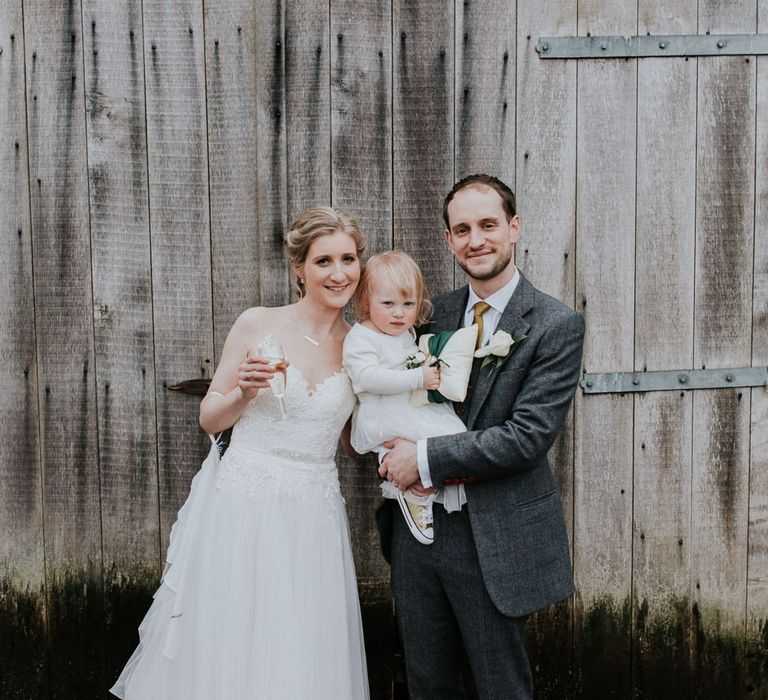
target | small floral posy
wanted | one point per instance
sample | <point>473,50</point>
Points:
<point>415,360</point>
<point>497,348</point>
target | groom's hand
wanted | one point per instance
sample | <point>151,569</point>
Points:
<point>399,464</point>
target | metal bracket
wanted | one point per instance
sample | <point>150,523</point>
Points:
<point>649,46</point>
<point>675,380</point>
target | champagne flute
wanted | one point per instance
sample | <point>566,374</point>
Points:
<point>274,354</point>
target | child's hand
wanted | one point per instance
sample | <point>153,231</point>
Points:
<point>431,378</point>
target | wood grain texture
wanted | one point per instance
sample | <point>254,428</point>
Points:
<point>665,244</point>
<point>546,201</point>
<point>757,563</point>
<point>231,29</point>
<point>179,223</point>
<point>122,312</point>
<point>357,72</point>
<point>361,171</point>
<point>723,335</point>
<point>308,108</point>
<point>271,184</point>
<point>423,134</point>
<point>485,87</point>
<point>23,660</point>
<point>361,116</point>
<point>64,325</point>
<point>605,265</point>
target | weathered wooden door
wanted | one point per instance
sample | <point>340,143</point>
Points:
<point>153,153</point>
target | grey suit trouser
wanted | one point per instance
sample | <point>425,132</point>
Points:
<point>443,608</point>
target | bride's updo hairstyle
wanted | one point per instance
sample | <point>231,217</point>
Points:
<point>402,272</point>
<point>313,223</point>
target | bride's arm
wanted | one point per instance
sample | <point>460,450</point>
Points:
<point>229,393</point>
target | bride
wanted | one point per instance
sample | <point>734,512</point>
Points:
<point>259,597</point>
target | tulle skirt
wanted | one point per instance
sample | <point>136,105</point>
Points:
<point>259,598</point>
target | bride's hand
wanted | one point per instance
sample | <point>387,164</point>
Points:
<point>253,375</point>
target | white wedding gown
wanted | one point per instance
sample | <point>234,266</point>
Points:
<point>259,598</point>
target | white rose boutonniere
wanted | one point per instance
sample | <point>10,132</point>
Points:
<point>497,348</point>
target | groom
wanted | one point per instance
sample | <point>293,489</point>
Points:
<point>501,548</point>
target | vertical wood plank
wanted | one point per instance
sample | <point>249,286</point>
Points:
<point>308,105</point>
<point>757,564</point>
<point>179,224</point>
<point>423,133</point>
<point>361,116</point>
<point>546,199</point>
<point>485,88</point>
<point>723,334</point>
<point>23,659</point>
<point>361,124</point>
<point>64,320</point>
<point>666,201</point>
<point>231,33</point>
<point>122,284</point>
<point>605,263</point>
<point>271,190</point>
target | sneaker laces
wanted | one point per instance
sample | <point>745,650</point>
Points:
<point>425,515</point>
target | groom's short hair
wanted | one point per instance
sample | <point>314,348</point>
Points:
<point>483,180</point>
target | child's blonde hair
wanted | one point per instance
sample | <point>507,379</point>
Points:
<point>402,272</point>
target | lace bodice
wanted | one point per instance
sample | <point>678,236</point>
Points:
<point>315,419</point>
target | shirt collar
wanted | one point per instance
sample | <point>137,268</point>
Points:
<point>500,298</point>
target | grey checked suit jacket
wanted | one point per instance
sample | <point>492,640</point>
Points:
<point>513,415</point>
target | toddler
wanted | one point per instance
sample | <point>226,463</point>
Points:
<point>390,300</point>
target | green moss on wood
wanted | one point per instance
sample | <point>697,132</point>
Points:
<point>662,648</point>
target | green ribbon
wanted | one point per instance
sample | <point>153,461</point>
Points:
<point>435,345</point>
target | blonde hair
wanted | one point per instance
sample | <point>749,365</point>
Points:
<point>313,223</point>
<point>401,271</point>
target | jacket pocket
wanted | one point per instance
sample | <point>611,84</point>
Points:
<point>535,501</point>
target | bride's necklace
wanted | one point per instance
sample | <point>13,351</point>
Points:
<point>309,338</point>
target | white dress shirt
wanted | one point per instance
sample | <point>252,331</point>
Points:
<point>454,497</point>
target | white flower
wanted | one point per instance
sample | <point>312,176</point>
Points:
<point>415,360</point>
<point>498,345</point>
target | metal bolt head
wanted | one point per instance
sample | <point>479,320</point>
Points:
<point>729,377</point>
<point>721,44</point>
<point>589,383</point>
<point>545,46</point>
<point>662,44</point>
<point>603,46</point>
<point>635,381</point>
<point>682,378</point>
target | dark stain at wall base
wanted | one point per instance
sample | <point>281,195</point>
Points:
<point>757,663</point>
<point>76,633</point>
<point>127,599</point>
<point>676,651</point>
<point>23,656</point>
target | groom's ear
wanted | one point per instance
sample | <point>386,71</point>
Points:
<point>447,234</point>
<point>514,227</point>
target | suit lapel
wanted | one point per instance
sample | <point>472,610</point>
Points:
<point>451,315</point>
<point>513,322</point>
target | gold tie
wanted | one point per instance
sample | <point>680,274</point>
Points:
<point>480,308</point>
